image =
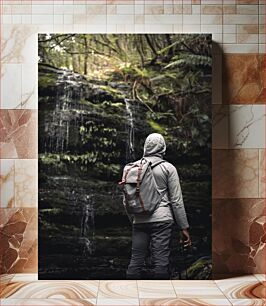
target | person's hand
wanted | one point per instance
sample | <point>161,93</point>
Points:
<point>185,239</point>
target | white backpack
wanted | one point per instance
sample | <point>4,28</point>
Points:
<point>141,195</point>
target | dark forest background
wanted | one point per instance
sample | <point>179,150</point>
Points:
<point>99,97</point>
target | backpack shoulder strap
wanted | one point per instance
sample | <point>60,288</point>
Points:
<point>157,163</point>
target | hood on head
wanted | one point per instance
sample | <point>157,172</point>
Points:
<point>154,145</point>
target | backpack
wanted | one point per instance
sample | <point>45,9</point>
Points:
<point>141,195</point>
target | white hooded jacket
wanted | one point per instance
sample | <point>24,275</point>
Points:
<point>167,181</point>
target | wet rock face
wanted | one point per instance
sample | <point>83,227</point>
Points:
<point>88,130</point>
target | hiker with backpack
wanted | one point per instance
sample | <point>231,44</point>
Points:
<point>153,201</point>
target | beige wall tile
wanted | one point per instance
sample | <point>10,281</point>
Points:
<point>153,9</point>
<point>248,28</point>
<point>42,9</point>
<point>125,9</point>
<point>211,19</point>
<point>163,19</point>
<point>125,28</point>
<point>6,9</point>
<point>120,19</point>
<point>191,19</point>
<point>26,183</point>
<point>96,9</point>
<point>21,9</point>
<point>7,183</point>
<point>209,28</point>
<point>77,19</point>
<point>247,38</point>
<point>262,9</point>
<point>111,10</point>
<point>18,44</point>
<point>178,9</point>
<point>229,9</point>
<point>247,1</point>
<point>229,38</point>
<point>139,19</point>
<point>187,9</point>
<point>190,28</point>
<point>229,28</point>
<point>247,9</point>
<point>195,9</point>
<point>240,48</point>
<point>43,19</point>
<point>240,19</point>
<point>158,28</point>
<point>212,9</point>
<point>10,85</point>
<point>168,9</point>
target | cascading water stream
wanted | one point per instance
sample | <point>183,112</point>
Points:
<point>130,155</point>
<point>65,114</point>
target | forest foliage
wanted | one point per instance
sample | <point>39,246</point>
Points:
<point>170,74</point>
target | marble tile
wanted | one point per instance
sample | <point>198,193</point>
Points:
<point>247,9</point>
<point>7,183</point>
<point>155,289</point>
<point>235,173</point>
<point>118,289</point>
<point>248,302</point>
<point>197,289</point>
<point>11,86</point>
<point>212,9</point>
<point>262,171</point>
<point>238,235</point>
<point>247,126</point>
<point>220,126</point>
<point>48,302</point>
<point>18,232</point>
<point>117,302</point>
<point>18,134</point>
<point>19,44</point>
<point>29,80</point>
<point>247,1</point>
<point>51,290</point>
<point>229,9</point>
<point>242,289</point>
<point>240,49</point>
<point>25,277</point>
<point>260,277</point>
<point>248,28</point>
<point>26,183</point>
<point>5,279</point>
<point>243,78</point>
<point>184,302</point>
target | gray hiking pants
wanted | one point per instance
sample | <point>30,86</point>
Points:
<point>158,235</point>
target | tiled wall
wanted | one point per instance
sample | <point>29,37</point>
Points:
<point>238,28</point>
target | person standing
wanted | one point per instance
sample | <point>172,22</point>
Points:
<point>156,229</point>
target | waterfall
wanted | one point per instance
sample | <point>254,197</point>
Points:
<point>68,95</point>
<point>130,153</point>
<point>60,124</point>
<point>87,228</point>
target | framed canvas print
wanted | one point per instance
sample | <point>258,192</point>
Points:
<point>124,123</point>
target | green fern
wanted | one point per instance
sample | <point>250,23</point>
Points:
<point>190,59</point>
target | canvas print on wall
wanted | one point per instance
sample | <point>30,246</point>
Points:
<point>105,101</point>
